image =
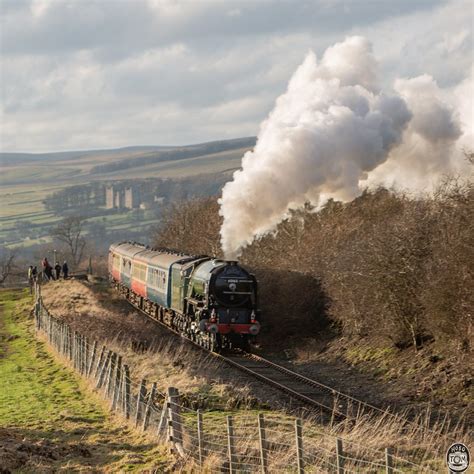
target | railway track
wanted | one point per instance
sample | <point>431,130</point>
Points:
<point>321,399</point>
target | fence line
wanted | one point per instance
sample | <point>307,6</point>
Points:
<point>217,443</point>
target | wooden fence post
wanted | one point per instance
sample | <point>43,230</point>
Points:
<point>126,391</point>
<point>388,461</point>
<point>78,352</point>
<point>74,350</point>
<point>92,359</point>
<point>174,417</point>
<point>200,437</point>
<point>100,362</point>
<point>230,445</point>
<point>85,351</point>
<point>339,456</point>
<point>263,443</point>
<point>81,353</point>
<point>146,416</point>
<point>65,346</point>
<point>61,339</point>
<point>69,342</point>
<point>50,329</point>
<point>103,370</point>
<point>110,375</point>
<point>116,384</point>
<point>299,445</point>
<point>140,398</point>
<point>164,419</point>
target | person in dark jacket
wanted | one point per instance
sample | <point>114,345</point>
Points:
<point>47,269</point>
<point>57,269</point>
<point>65,270</point>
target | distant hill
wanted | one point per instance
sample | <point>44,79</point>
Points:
<point>144,153</point>
<point>7,158</point>
<point>28,180</point>
<point>174,154</point>
<point>72,167</point>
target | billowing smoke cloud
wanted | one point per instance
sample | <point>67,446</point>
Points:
<point>430,146</point>
<point>331,134</point>
<point>330,128</point>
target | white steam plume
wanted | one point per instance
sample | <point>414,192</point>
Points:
<point>333,133</point>
<point>327,131</point>
<point>431,145</point>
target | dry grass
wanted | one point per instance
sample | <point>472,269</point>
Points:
<point>199,378</point>
<point>153,352</point>
<point>387,270</point>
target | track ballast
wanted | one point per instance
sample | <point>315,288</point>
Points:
<point>319,398</point>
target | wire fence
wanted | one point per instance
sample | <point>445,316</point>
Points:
<point>211,441</point>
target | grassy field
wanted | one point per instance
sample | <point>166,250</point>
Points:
<point>49,420</point>
<point>24,184</point>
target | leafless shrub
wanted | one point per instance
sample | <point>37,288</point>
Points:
<point>191,226</point>
<point>390,265</point>
<point>7,264</point>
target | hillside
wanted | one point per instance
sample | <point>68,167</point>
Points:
<point>28,179</point>
<point>24,168</point>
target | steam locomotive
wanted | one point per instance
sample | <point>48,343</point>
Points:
<point>213,302</point>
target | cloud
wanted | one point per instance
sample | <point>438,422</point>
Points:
<point>93,65</point>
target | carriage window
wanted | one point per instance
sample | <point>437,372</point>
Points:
<point>126,266</point>
<point>139,271</point>
<point>157,278</point>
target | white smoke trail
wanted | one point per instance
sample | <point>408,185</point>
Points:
<point>330,128</point>
<point>332,133</point>
<point>430,146</point>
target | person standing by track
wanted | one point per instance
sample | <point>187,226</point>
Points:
<point>57,269</point>
<point>47,269</point>
<point>65,270</point>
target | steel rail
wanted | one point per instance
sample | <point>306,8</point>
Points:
<point>268,380</point>
<point>295,376</point>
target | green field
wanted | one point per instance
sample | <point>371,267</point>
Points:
<point>26,180</point>
<point>49,420</point>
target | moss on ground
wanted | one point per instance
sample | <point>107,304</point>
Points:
<point>48,419</point>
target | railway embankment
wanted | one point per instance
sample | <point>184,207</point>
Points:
<point>156,354</point>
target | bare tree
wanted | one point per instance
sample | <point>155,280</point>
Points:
<point>70,232</point>
<point>7,264</point>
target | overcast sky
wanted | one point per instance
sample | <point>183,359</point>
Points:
<point>111,73</point>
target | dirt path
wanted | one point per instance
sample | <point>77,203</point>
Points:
<point>49,420</point>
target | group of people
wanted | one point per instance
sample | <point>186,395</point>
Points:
<point>49,272</point>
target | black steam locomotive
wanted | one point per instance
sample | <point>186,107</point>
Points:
<point>211,301</point>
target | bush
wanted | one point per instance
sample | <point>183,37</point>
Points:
<point>391,265</point>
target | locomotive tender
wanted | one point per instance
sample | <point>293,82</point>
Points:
<point>211,301</point>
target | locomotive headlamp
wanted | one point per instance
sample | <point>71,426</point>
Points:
<point>213,318</point>
<point>252,317</point>
<point>254,329</point>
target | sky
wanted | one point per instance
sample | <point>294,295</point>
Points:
<point>112,73</point>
